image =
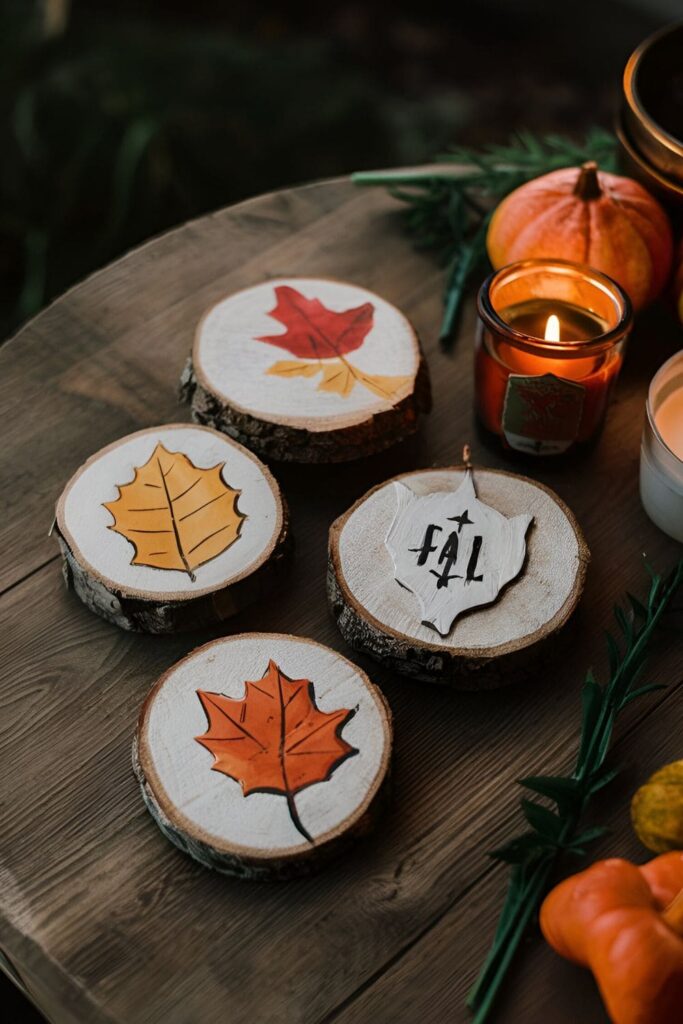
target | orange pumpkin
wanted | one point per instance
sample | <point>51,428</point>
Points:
<point>587,216</point>
<point>626,924</point>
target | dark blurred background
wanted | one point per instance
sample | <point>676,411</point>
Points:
<point>120,118</point>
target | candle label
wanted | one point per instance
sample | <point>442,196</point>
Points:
<point>452,551</point>
<point>542,415</point>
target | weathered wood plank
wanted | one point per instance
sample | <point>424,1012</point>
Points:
<point>117,924</point>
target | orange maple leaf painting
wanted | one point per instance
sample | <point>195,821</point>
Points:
<point>275,739</point>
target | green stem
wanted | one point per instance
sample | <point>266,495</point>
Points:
<point>609,709</point>
<point>461,268</point>
<point>506,925</point>
<point>483,1009</point>
<point>529,896</point>
<point>389,178</point>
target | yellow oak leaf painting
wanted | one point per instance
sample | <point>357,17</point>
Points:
<point>175,514</point>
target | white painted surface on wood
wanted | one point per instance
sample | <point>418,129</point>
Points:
<point>539,593</point>
<point>234,366</point>
<point>85,522</point>
<point>212,801</point>
<point>452,551</point>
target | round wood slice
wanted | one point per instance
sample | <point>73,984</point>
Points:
<point>261,755</point>
<point>487,646</point>
<point>171,528</point>
<point>307,370</point>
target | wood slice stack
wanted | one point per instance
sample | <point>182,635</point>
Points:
<point>263,755</point>
<point>171,528</point>
<point>307,370</point>
<point>487,646</point>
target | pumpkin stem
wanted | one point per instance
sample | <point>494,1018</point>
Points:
<point>587,184</point>
<point>673,915</point>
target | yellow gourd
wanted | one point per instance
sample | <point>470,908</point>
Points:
<point>657,809</point>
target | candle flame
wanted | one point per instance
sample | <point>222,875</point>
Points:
<point>552,328</point>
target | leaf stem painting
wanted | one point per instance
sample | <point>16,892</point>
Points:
<point>323,338</point>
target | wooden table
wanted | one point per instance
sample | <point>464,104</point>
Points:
<point>102,918</point>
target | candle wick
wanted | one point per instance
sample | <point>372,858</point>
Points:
<point>466,456</point>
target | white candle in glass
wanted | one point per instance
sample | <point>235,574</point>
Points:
<point>661,453</point>
<point>669,422</point>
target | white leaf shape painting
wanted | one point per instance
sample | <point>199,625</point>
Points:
<point>452,551</point>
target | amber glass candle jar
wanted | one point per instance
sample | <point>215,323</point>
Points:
<point>549,349</point>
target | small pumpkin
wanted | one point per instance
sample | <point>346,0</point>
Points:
<point>588,216</point>
<point>657,810</point>
<point>626,924</point>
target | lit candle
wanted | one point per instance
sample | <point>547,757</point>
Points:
<point>661,453</point>
<point>548,352</point>
<point>552,328</point>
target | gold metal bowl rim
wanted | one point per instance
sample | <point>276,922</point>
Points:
<point>668,185</point>
<point>634,103</point>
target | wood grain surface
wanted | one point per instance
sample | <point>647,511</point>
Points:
<point>102,918</point>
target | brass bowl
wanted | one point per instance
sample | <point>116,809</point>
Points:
<point>652,107</point>
<point>667,190</point>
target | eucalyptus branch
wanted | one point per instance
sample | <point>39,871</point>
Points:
<point>555,831</point>
<point>449,206</point>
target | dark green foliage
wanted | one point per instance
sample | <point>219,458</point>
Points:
<point>116,130</point>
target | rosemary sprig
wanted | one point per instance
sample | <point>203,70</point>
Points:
<point>449,210</point>
<point>555,831</point>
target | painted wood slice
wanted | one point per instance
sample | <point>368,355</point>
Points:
<point>261,755</point>
<point>308,370</point>
<point>171,528</point>
<point>456,577</point>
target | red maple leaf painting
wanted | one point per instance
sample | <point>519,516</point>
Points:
<point>314,332</point>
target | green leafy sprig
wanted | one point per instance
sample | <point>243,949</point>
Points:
<point>554,831</point>
<point>449,209</point>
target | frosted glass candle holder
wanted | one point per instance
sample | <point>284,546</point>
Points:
<point>661,453</point>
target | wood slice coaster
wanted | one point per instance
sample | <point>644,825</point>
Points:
<point>486,646</point>
<point>171,528</point>
<point>308,370</point>
<point>261,755</point>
